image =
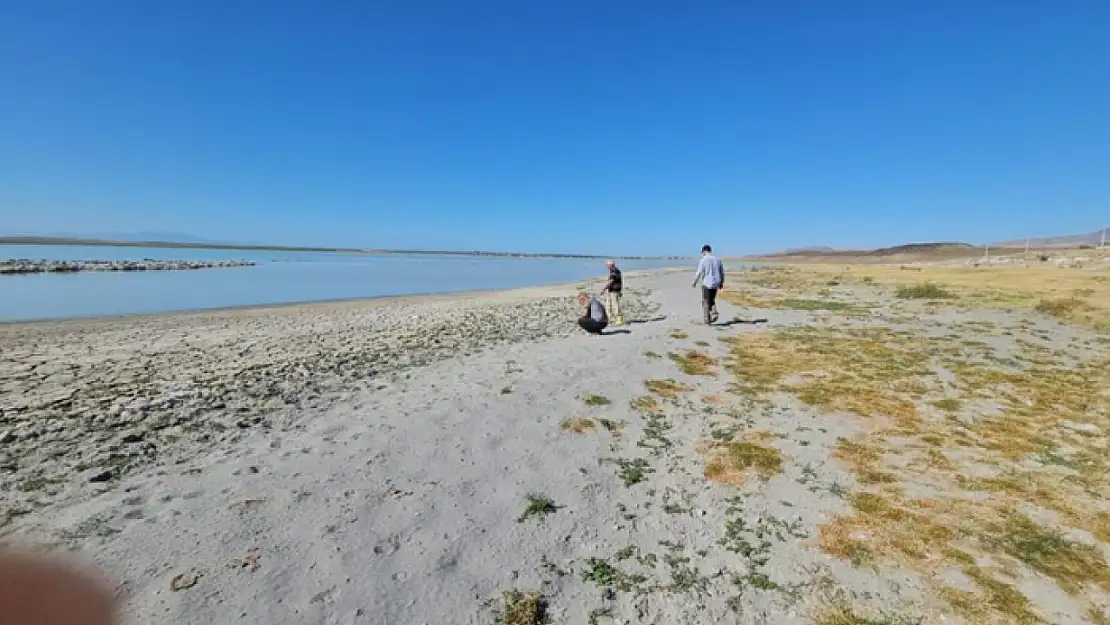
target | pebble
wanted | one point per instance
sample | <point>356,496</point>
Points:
<point>103,476</point>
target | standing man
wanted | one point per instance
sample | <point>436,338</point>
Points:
<point>613,287</point>
<point>593,319</point>
<point>711,274</point>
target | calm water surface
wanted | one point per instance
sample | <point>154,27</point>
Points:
<point>279,278</point>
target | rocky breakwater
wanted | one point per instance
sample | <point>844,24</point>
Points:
<point>20,266</point>
<point>83,404</point>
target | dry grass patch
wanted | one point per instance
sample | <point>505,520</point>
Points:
<point>929,290</point>
<point>1059,307</point>
<point>522,608</point>
<point>1047,411</point>
<point>577,425</point>
<point>693,362</point>
<point>789,279</point>
<point>744,298</point>
<point>732,463</point>
<point>716,400</point>
<point>995,598</point>
<point>873,372</point>
<point>1097,616</point>
<point>679,334</point>
<point>596,400</point>
<point>646,403</point>
<point>1072,565</point>
<point>843,614</point>
<point>666,388</point>
<point>747,299</point>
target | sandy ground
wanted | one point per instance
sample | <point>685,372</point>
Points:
<point>370,462</point>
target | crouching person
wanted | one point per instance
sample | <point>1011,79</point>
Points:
<point>594,318</point>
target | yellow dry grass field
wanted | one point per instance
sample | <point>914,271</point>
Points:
<point>987,470</point>
<point>1075,295</point>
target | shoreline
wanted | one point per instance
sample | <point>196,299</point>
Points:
<point>368,300</point>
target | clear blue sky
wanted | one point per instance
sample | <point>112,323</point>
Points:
<point>609,127</point>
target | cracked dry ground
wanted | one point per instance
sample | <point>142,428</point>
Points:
<point>889,449</point>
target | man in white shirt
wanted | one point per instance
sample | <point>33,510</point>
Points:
<point>711,274</point>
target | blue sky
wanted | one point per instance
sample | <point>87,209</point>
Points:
<point>608,127</point>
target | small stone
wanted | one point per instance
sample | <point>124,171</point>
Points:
<point>132,437</point>
<point>7,436</point>
<point>103,476</point>
<point>181,581</point>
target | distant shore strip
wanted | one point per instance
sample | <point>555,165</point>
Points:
<point>21,266</point>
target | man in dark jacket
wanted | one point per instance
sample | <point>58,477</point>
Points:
<point>614,287</point>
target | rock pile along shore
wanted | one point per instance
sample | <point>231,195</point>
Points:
<point>19,266</point>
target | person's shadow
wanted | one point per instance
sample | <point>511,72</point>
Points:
<point>736,320</point>
<point>649,320</point>
<point>611,332</point>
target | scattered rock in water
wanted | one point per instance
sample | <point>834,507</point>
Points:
<point>20,266</point>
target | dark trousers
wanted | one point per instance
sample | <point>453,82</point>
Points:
<point>709,304</point>
<point>589,325</point>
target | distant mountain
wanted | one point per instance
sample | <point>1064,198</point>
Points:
<point>1071,240</point>
<point>909,251</point>
<point>812,248</point>
<point>164,237</point>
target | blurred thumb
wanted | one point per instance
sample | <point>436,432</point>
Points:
<point>39,591</point>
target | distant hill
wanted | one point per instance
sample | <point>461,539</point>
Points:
<point>813,248</point>
<point>942,250</point>
<point>126,237</point>
<point>1071,240</point>
<point>908,252</point>
<point>946,247</point>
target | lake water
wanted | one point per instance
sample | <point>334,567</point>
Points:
<point>279,278</point>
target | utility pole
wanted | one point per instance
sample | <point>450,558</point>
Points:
<point>1103,243</point>
<point>1027,246</point>
<point>987,252</point>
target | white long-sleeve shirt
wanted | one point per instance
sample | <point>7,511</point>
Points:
<point>711,273</point>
